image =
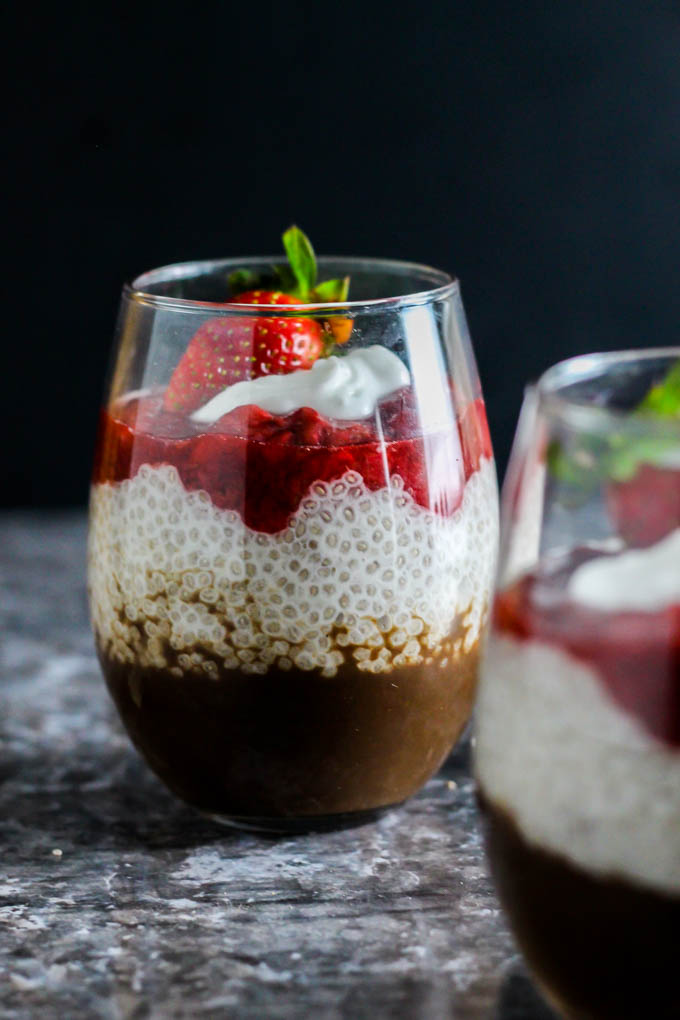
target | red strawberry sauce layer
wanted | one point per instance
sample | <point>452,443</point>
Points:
<point>635,654</point>
<point>262,465</point>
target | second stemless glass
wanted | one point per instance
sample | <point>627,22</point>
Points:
<point>578,718</point>
<point>288,607</point>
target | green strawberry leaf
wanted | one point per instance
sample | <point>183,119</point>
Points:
<point>302,260</point>
<point>243,279</point>
<point>331,290</point>
<point>664,399</point>
<point>285,279</point>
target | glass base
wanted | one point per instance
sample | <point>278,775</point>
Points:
<point>302,824</point>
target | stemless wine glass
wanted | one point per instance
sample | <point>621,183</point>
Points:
<point>578,718</point>
<point>288,606</point>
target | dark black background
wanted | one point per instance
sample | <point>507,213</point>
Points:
<point>533,149</point>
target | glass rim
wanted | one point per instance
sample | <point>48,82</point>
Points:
<point>593,417</point>
<point>443,285</point>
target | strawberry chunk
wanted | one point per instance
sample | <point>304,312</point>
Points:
<point>310,428</point>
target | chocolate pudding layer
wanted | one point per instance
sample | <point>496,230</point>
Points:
<point>294,749</point>
<point>604,948</point>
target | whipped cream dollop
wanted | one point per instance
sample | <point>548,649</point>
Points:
<point>346,388</point>
<point>637,580</point>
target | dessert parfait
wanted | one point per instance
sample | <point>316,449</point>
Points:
<point>578,721</point>
<point>293,531</point>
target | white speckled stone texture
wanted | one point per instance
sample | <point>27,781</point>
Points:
<point>150,911</point>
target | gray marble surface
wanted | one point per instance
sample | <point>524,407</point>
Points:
<point>118,901</point>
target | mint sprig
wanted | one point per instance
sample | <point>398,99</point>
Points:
<point>297,278</point>
<point>302,266</point>
<point>583,466</point>
<point>301,259</point>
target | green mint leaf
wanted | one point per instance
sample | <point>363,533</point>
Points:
<point>302,260</point>
<point>664,398</point>
<point>285,280</point>
<point>331,290</point>
<point>243,279</point>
